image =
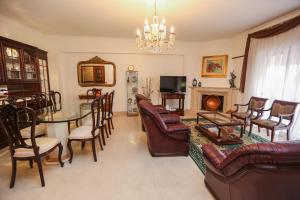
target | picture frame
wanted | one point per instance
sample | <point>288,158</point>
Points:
<point>214,66</point>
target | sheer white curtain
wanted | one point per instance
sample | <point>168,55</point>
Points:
<point>274,70</point>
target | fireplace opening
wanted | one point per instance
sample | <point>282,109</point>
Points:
<point>212,102</point>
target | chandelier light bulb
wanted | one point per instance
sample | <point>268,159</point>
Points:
<point>154,35</point>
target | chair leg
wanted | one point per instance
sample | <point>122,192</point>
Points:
<point>143,127</point>
<point>250,131</point>
<point>31,163</point>
<point>82,145</point>
<point>259,129</point>
<point>112,124</point>
<point>109,128</point>
<point>94,150</point>
<point>60,150</point>
<point>100,142</point>
<point>13,173</point>
<point>288,134</point>
<point>77,123</point>
<point>102,135</point>
<point>268,134</point>
<point>71,151</point>
<point>105,128</point>
<point>69,127</point>
<point>39,163</point>
<point>272,135</point>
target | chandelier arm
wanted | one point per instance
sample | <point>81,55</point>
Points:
<point>155,12</point>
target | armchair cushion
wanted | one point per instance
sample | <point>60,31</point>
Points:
<point>241,115</point>
<point>82,132</point>
<point>45,144</point>
<point>178,131</point>
<point>267,122</point>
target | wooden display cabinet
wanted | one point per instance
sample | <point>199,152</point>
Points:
<point>23,68</point>
<point>23,71</point>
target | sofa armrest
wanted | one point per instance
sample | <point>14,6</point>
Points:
<point>170,118</point>
<point>213,155</point>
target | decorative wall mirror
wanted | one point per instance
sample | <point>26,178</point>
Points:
<point>96,72</point>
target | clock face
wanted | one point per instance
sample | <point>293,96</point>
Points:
<point>130,67</point>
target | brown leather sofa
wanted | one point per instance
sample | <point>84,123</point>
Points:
<point>253,172</point>
<point>163,139</point>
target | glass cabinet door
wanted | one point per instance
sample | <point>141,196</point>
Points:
<point>12,63</point>
<point>30,72</point>
<point>43,75</point>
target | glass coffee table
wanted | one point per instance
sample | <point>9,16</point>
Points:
<point>219,128</point>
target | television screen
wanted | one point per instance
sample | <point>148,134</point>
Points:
<point>172,84</point>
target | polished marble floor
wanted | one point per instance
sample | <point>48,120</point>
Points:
<point>125,170</point>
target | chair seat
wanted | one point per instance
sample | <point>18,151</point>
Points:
<point>39,130</point>
<point>267,123</point>
<point>82,132</point>
<point>45,144</point>
<point>241,115</point>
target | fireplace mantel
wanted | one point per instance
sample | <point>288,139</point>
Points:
<point>197,92</point>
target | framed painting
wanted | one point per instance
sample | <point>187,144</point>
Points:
<point>214,66</point>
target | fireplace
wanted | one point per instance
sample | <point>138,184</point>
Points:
<point>212,102</point>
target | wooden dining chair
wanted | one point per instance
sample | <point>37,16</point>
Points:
<point>109,115</point>
<point>281,117</point>
<point>32,149</point>
<point>87,133</point>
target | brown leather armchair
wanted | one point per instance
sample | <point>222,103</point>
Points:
<point>163,139</point>
<point>166,116</point>
<point>255,171</point>
<point>160,108</point>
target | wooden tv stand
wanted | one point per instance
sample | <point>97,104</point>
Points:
<point>179,96</point>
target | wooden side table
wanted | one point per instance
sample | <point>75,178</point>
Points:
<point>179,96</point>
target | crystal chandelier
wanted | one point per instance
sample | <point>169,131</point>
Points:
<point>155,36</point>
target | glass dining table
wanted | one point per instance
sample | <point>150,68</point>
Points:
<point>57,119</point>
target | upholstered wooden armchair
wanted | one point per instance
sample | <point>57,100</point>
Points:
<point>254,110</point>
<point>281,118</point>
<point>32,149</point>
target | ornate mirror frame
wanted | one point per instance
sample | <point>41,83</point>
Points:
<point>95,61</point>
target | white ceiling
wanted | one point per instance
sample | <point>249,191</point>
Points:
<point>193,19</point>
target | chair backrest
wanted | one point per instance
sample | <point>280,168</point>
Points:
<point>140,97</point>
<point>110,101</point>
<point>257,103</point>
<point>148,112</point>
<point>17,101</point>
<point>280,107</point>
<point>39,101</point>
<point>55,97</point>
<point>55,100</point>
<point>96,113</point>
<point>10,125</point>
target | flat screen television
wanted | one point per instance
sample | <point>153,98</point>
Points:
<point>173,84</point>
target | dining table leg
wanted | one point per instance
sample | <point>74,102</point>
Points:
<point>59,131</point>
